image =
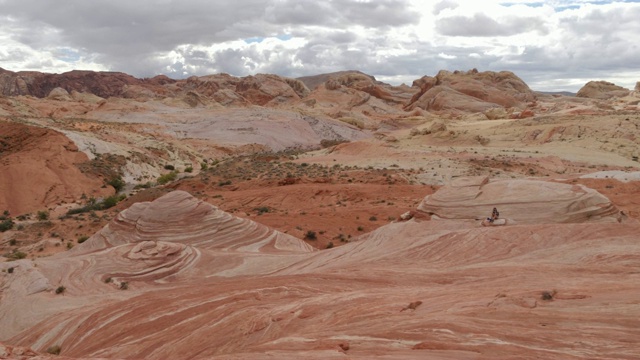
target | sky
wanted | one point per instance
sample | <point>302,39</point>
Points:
<point>552,45</point>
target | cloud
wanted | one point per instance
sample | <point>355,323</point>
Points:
<point>484,25</point>
<point>398,40</point>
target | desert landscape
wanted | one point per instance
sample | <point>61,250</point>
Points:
<point>332,216</point>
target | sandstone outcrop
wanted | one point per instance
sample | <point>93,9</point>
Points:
<point>470,91</point>
<point>39,168</point>
<point>602,90</point>
<point>525,201</point>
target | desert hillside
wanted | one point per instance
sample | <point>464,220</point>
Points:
<point>331,216</point>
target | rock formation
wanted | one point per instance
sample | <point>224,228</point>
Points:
<point>470,91</point>
<point>39,169</point>
<point>525,201</point>
<point>602,90</point>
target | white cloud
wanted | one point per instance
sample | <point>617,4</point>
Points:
<point>555,44</point>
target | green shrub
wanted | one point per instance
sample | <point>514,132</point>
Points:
<point>373,218</point>
<point>146,185</point>
<point>223,183</point>
<point>13,242</point>
<point>10,270</point>
<point>82,239</point>
<point>166,178</point>
<point>188,169</point>
<point>169,167</point>
<point>261,210</point>
<point>204,166</point>
<point>6,225</point>
<point>43,215</point>
<point>117,183</point>
<point>310,235</point>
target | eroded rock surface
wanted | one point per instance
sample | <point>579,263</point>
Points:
<point>522,200</point>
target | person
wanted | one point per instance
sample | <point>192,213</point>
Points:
<point>494,215</point>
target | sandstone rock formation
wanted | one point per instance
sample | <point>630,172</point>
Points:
<point>39,169</point>
<point>470,91</point>
<point>522,200</point>
<point>601,90</point>
<point>178,278</point>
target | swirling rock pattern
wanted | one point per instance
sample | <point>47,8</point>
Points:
<point>203,284</point>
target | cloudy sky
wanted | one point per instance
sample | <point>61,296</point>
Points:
<point>552,45</point>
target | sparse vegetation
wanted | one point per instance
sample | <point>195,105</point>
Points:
<point>330,245</point>
<point>10,270</point>
<point>548,295</point>
<point>60,289</point>
<point>6,224</point>
<point>54,350</point>
<point>167,178</point>
<point>310,235</point>
<point>93,205</point>
<point>117,183</point>
<point>262,209</point>
<point>43,215</point>
<point>188,169</point>
<point>124,285</point>
<point>17,255</point>
<point>169,167</point>
<point>82,239</point>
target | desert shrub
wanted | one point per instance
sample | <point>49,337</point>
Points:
<point>166,178</point>
<point>330,245</point>
<point>223,183</point>
<point>124,285</point>
<point>117,183</point>
<point>261,210</point>
<point>43,215</point>
<point>169,167</point>
<point>548,295</point>
<point>60,289</point>
<point>108,280</point>
<point>146,185</point>
<point>188,169</point>
<point>373,218</point>
<point>54,350</point>
<point>310,235</point>
<point>6,225</point>
<point>82,239</point>
<point>10,270</point>
<point>204,166</point>
<point>109,202</point>
<point>360,228</point>
<point>13,242</point>
<point>17,255</point>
